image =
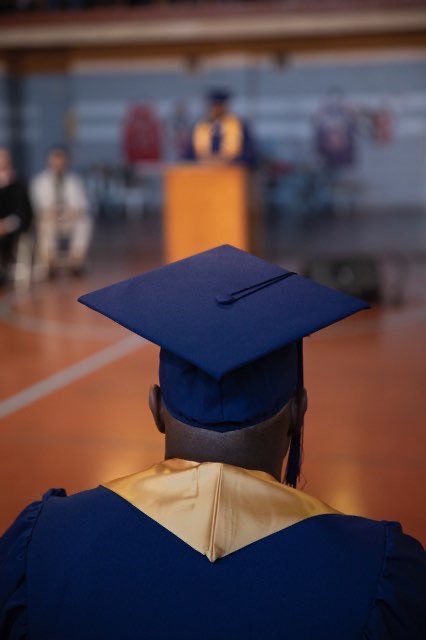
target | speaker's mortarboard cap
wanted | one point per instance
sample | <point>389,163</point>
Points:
<point>220,95</point>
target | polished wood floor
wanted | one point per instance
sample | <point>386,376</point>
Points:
<point>73,392</point>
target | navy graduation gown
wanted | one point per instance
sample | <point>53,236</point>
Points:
<point>92,566</point>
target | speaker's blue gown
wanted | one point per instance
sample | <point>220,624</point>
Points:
<point>93,567</point>
<point>246,156</point>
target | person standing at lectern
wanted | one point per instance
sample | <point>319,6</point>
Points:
<point>224,139</point>
<point>221,136</point>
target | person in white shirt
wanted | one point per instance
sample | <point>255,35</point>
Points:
<point>64,227</point>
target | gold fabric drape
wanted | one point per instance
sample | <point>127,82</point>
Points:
<point>232,139</point>
<point>216,508</point>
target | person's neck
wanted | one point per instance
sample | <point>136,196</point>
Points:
<point>261,447</point>
<point>233,458</point>
<point>269,469</point>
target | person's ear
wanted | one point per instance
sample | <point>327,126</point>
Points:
<point>299,406</point>
<point>155,405</point>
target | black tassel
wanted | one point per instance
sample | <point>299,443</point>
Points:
<point>294,460</point>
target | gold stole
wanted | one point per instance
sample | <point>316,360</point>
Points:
<point>216,508</point>
<point>232,139</point>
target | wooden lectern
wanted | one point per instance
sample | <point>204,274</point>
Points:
<point>206,205</point>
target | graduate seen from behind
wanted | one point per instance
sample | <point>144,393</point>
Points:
<point>209,543</point>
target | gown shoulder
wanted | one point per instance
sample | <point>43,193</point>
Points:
<point>13,569</point>
<point>398,611</point>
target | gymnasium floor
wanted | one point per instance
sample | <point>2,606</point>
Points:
<point>73,390</point>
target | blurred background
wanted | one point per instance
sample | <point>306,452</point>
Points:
<point>333,94</point>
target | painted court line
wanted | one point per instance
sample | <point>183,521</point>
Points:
<point>24,322</point>
<point>70,374</point>
<point>58,329</point>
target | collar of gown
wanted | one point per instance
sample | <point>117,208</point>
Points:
<point>216,508</point>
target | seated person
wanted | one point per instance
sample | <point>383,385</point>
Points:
<point>15,212</point>
<point>208,543</point>
<point>62,215</point>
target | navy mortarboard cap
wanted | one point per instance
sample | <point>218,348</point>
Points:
<point>218,95</point>
<point>229,326</point>
<point>243,397</point>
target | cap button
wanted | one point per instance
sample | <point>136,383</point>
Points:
<point>224,298</point>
